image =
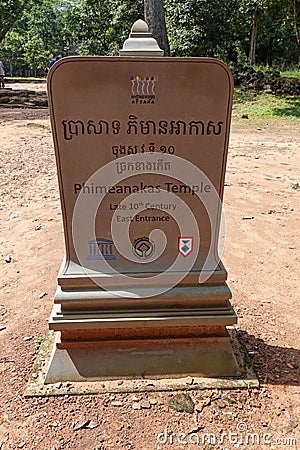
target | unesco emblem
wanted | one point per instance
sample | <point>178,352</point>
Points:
<point>100,249</point>
<point>143,248</point>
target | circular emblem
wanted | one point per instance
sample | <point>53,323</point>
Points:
<point>143,247</point>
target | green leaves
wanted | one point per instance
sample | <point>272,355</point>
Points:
<point>223,29</point>
<point>32,30</point>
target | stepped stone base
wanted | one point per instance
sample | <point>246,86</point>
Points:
<point>179,333</point>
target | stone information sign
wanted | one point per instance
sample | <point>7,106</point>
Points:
<point>141,147</point>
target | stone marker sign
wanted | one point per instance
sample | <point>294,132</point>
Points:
<point>141,147</point>
<point>173,124</point>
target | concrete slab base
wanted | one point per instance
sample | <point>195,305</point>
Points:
<point>139,359</point>
<point>61,371</point>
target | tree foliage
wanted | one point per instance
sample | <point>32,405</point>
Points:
<point>261,31</point>
<point>10,11</point>
<point>100,28</point>
<point>202,27</point>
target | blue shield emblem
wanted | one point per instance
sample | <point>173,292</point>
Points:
<point>185,245</point>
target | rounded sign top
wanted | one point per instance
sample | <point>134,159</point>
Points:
<point>141,42</point>
<point>140,27</point>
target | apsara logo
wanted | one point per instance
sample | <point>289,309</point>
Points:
<point>142,89</point>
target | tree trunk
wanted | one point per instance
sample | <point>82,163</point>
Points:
<point>155,18</point>
<point>251,57</point>
<point>270,52</point>
<point>295,8</point>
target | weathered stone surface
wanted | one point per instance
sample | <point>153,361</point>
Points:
<point>182,403</point>
<point>23,98</point>
<point>271,81</point>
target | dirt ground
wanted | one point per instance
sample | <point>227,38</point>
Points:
<point>262,258</point>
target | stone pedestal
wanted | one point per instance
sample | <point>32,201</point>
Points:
<point>106,335</point>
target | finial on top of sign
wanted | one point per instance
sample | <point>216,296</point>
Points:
<point>141,42</point>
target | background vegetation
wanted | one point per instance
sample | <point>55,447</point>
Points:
<point>264,32</point>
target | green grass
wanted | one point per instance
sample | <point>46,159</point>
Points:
<point>295,73</point>
<point>36,125</point>
<point>265,105</point>
<point>24,80</point>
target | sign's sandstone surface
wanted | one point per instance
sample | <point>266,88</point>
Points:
<point>141,146</point>
<point>141,143</point>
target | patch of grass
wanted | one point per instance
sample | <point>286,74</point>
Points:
<point>37,342</point>
<point>265,105</point>
<point>293,73</point>
<point>36,125</point>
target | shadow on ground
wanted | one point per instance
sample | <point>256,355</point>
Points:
<point>272,364</point>
<point>291,108</point>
